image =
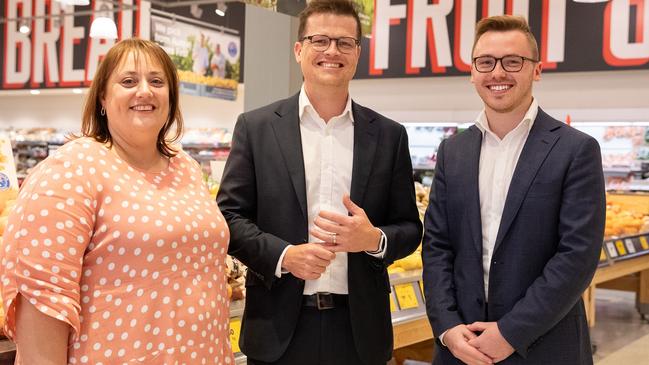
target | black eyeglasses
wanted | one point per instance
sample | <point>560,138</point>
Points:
<point>321,43</point>
<point>510,63</point>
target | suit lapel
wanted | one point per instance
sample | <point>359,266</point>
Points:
<point>471,161</point>
<point>365,140</point>
<point>539,143</point>
<point>287,132</point>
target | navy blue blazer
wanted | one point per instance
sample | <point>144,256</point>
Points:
<point>546,250</point>
<point>263,198</point>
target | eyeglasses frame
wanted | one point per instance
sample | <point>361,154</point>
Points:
<point>310,39</point>
<point>500,59</point>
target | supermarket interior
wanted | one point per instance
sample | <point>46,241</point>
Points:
<point>595,78</point>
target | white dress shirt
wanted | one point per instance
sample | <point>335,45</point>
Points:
<point>328,152</point>
<point>498,159</point>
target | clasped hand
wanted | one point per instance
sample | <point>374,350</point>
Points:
<point>338,233</point>
<point>487,348</point>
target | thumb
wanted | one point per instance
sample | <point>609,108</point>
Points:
<point>351,206</point>
<point>477,326</point>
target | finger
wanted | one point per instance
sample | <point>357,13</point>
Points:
<point>323,253</point>
<point>469,335</point>
<point>477,326</point>
<point>317,264</point>
<point>351,206</point>
<point>475,343</point>
<point>475,356</point>
<point>478,356</point>
<point>326,237</point>
<point>334,248</point>
<point>327,226</point>
<point>337,218</point>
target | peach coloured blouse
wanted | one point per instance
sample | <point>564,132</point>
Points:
<point>134,262</point>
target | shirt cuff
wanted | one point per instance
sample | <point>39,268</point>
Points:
<point>278,269</point>
<point>383,243</point>
<point>441,338</point>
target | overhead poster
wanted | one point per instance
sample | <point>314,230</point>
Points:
<point>423,38</point>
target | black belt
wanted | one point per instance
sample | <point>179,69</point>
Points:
<point>324,301</point>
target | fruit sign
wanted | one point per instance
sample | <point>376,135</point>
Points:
<point>415,38</point>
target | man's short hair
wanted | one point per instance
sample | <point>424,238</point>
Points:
<point>336,7</point>
<point>504,23</point>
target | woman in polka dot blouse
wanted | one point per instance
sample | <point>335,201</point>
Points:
<point>115,253</point>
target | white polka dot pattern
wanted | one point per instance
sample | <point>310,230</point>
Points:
<point>133,262</point>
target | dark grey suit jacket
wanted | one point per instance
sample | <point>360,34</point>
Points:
<point>263,198</point>
<point>546,250</point>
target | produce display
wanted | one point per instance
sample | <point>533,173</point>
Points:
<point>193,78</point>
<point>7,203</point>
<point>413,261</point>
<point>626,215</point>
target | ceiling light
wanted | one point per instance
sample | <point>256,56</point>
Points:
<point>24,27</point>
<point>34,92</point>
<point>103,27</point>
<point>221,8</point>
<point>74,2</point>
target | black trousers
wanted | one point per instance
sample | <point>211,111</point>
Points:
<point>322,337</point>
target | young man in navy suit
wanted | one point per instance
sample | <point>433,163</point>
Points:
<point>515,223</point>
<point>319,197</point>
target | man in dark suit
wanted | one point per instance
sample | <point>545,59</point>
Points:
<point>319,197</point>
<point>515,223</point>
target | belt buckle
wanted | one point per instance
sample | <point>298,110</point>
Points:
<point>324,301</point>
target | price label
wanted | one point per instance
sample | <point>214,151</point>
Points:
<point>644,243</point>
<point>610,247</point>
<point>620,247</point>
<point>393,306</point>
<point>602,256</point>
<point>235,330</point>
<point>406,296</point>
<point>629,245</point>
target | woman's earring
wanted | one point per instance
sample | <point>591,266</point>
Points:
<point>103,111</point>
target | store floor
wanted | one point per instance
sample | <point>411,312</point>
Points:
<point>620,335</point>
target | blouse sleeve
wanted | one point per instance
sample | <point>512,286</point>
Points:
<point>46,237</point>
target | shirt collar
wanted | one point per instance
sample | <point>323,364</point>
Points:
<point>304,104</point>
<point>528,119</point>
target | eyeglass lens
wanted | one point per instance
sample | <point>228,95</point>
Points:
<point>508,63</point>
<point>322,42</point>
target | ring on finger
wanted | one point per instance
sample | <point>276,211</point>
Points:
<point>333,238</point>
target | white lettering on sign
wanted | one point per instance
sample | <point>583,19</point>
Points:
<point>384,14</point>
<point>427,31</point>
<point>44,36</point>
<point>618,49</point>
<point>18,46</point>
<point>46,55</point>
<point>428,23</point>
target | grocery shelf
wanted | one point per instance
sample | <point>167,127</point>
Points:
<point>409,320</point>
<point>624,248</point>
